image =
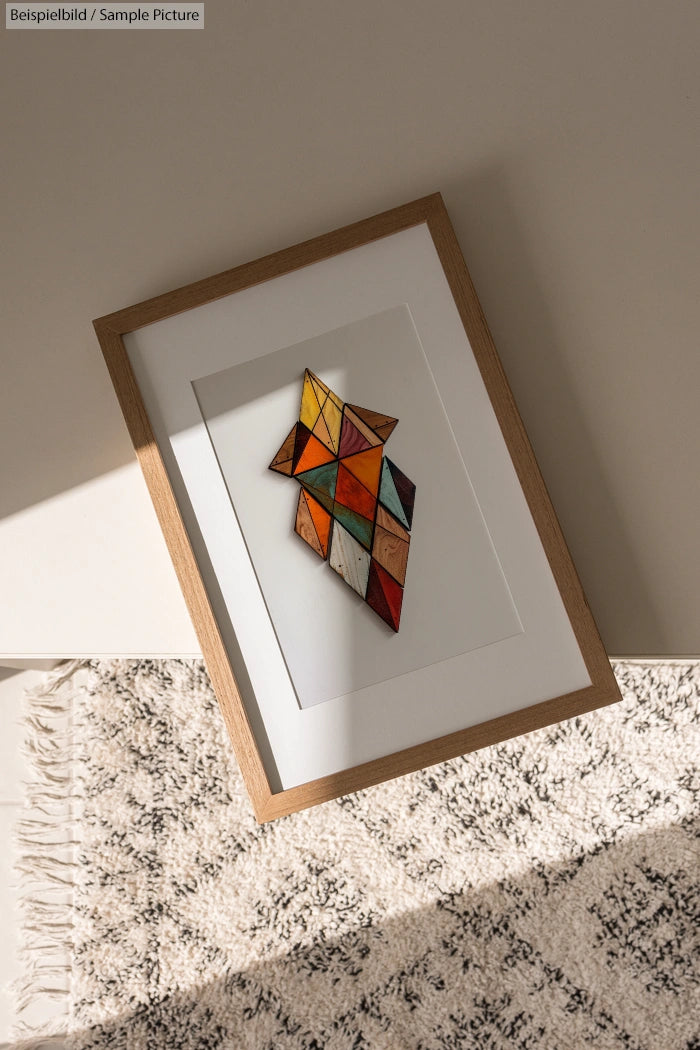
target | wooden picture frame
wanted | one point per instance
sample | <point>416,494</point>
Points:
<point>224,650</point>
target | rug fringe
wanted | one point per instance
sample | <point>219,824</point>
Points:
<point>39,1042</point>
<point>44,841</point>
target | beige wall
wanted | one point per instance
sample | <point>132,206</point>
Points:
<point>564,138</point>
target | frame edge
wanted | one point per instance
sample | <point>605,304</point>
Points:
<point>110,329</point>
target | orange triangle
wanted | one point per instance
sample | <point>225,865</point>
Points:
<point>314,455</point>
<point>367,467</point>
<point>322,522</point>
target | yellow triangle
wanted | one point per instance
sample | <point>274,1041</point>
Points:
<point>334,418</point>
<point>322,391</point>
<point>310,408</point>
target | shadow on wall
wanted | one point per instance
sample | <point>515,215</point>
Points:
<point>502,261</point>
<point>505,275</point>
<point>597,950</point>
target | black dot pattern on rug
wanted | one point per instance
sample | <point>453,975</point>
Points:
<point>541,893</point>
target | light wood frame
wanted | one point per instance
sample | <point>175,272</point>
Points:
<point>110,331</point>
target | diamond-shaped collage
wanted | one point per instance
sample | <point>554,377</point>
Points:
<point>355,505</point>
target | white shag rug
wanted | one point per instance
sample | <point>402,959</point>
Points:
<point>542,893</point>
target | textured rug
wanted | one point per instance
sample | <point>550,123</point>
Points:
<point>542,893</point>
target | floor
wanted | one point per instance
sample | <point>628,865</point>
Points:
<point>13,683</point>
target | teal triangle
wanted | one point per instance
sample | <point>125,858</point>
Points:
<point>389,496</point>
<point>320,482</point>
<point>356,525</point>
<point>321,497</point>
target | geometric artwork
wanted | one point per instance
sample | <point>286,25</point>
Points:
<point>355,506</point>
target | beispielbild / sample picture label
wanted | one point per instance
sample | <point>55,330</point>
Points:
<point>104,16</point>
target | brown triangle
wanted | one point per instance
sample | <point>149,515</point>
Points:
<point>391,553</point>
<point>374,420</point>
<point>388,521</point>
<point>286,450</point>
<point>386,431</point>
<point>283,468</point>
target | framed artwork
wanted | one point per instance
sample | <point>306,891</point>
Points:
<point>365,543</point>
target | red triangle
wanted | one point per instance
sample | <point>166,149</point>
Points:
<point>375,597</point>
<point>393,592</point>
<point>351,440</point>
<point>352,494</point>
<point>384,595</point>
